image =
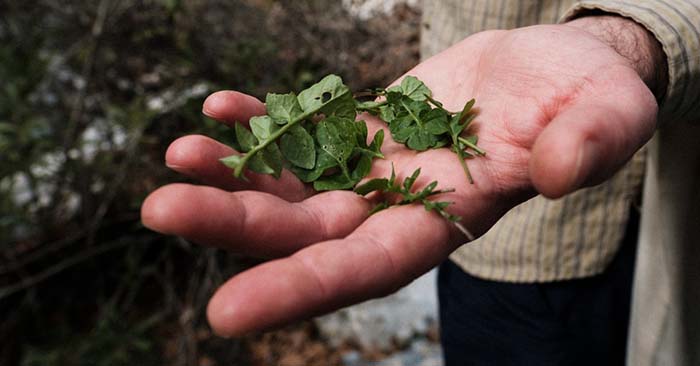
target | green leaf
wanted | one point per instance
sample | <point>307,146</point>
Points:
<point>330,97</point>
<point>467,109</point>
<point>370,106</point>
<point>402,128</point>
<point>392,178</point>
<point>334,182</point>
<point>360,127</point>
<point>379,207</point>
<point>432,205</point>
<point>422,140</point>
<point>435,121</point>
<point>298,147</point>
<point>234,162</point>
<point>373,150</point>
<point>427,190</point>
<point>283,108</point>
<point>263,127</point>
<point>336,137</point>
<point>413,129</point>
<point>376,145</point>
<point>362,167</point>
<point>376,184</point>
<point>245,138</point>
<point>268,161</point>
<point>323,162</point>
<point>386,113</point>
<point>412,88</point>
<point>408,182</point>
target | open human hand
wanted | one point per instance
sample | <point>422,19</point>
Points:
<point>558,109</point>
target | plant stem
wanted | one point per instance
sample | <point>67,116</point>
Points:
<point>274,136</point>
<point>461,157</point>
<point>415,118</point>
<point>472,146</point>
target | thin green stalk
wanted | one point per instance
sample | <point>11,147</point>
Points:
<point>415,118</point>
<point>472,146</point>
<point>273,137</point>
<point>461,157</point>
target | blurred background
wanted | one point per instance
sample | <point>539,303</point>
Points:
<point>91,94</point>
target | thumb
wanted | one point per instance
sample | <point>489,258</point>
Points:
<point>588,142</point>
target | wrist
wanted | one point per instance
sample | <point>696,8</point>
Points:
<point>634,43</point>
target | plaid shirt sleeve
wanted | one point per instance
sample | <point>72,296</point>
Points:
<point>676,24</point>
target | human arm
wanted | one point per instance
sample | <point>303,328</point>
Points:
<point>558,109</point>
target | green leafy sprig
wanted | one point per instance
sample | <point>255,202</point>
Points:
<point>332,153</point>
<point>315,136</point>
<point>405,191</point>
<point>421,122</point>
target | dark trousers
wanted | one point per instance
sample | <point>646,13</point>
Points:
<point>568,323</point>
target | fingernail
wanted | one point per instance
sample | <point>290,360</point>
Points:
<point>586,160</point>
<point>179,168</point>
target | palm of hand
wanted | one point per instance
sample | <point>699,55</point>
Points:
<point>557,110</point>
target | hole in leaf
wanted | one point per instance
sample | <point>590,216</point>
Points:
<point>325,97</point>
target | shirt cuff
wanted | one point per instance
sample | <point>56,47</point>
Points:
<point>676,25</point>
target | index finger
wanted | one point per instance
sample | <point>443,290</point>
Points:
<point>230,106</point>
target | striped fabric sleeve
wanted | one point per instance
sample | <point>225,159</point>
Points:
<point>676,24</point>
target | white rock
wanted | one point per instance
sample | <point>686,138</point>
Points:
<point>365,9</point>
<point>379,324</point>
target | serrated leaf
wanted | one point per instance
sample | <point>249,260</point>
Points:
<point>298,148</point>
<point>283,108</point>
<point>330,97</point>
<point>263,127</point>
<point>376,184</point>
<point>245,138</point>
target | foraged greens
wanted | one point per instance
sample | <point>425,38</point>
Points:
<point>405,191</point>
<point>408,109</point>
<point>332,153</point>
<point>316,137</point>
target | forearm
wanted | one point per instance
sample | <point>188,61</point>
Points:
<point>633,42</point>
